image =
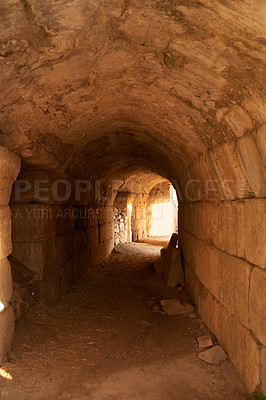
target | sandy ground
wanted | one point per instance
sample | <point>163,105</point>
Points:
<point>108,339</point>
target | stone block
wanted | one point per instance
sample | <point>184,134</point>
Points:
<point>6,286</point>
<point>238,120</point>
<point>32,222</point>
<point>44,257</point>
<point>37,186</point>
<point>226,165</point>
<point>241,347</point>
<point>252,165</point>
<point>9,169</point>
<point>209,222</point>
<point>49,289</point>
<point>233,286</point>
<point>204,341</point>
<point>7,327</point>
<point>173,270</point>
<point>173,241</point>
<point>257,304</point>
<point>261,143</point>
<point>164,251</point>
<point>175,307</point>
<point>255,238</point>
<point>263,369</point>
<point>213,355</point>
<point>5,232</point>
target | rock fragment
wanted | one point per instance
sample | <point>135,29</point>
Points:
<point>213,355</point>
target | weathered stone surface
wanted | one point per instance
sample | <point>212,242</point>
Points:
<point>6,287</point>
<point>233,286</point>
<point>257,304</point>
<point>7,326</point>
<point>255,227</point>
<point>39,222</point>
<point>173,271</point>
<point>252,165</point>
<point>173,241</point>
<point>213,356</point>
<point>9,169</point>
<point>241,347</point>
<point>5,232</point>
<point>44,257</point>
<point>175,307</point>
<point>261,142</point>
<point>263,369</point>
<point>164,251</point>
<point>204,341</point>
<point>238,121</point>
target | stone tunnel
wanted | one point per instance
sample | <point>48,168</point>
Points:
<point>106,97</point>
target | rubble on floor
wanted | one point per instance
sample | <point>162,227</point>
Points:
<point>213,355</point>
<point>204,341</point>
<point>175,307</point>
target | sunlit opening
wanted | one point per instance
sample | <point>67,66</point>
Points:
<point>129,207</point>
<point>162,220</point>
<point>2,307</point>
<point>164,216</point>
<point>5,374</point>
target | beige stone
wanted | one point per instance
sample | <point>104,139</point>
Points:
<point>6,287</point>
<point>263,369</point>
<point>204,341</point>
<point>44,257</point>
<point>7,326</point>
<point>241,347</point>
<point>255,237</point>
<point>9,169</point>
<point>252,165</point>
<point>175,307</point>
<point>238,121</point>
<point>257,304</point>
<point>213,355</point>
<point>233,286</point>
<point>261,142</point>
<point>5,232</point>
<point>173,269</point>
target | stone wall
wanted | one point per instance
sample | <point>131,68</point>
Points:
<point>121,215</point>
<point>9,169</point>
<point>223,245</point>
<point>55,240</point>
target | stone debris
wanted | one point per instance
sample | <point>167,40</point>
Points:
<point>204,341</point>
<point>213,355</point>
<point>173,271</point>
<point>175,307</point>
<point>173,241</point>
<point>164,251</point>
<point>171,266</point>
<point>192,315</point>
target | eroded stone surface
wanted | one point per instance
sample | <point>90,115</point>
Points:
<point>7,326</point>
<point>175,307</point>
<point>213,356</point>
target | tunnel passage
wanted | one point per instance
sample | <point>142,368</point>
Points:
<point>122,91</point>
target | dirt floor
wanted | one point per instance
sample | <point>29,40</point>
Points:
<point>108,339</point>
